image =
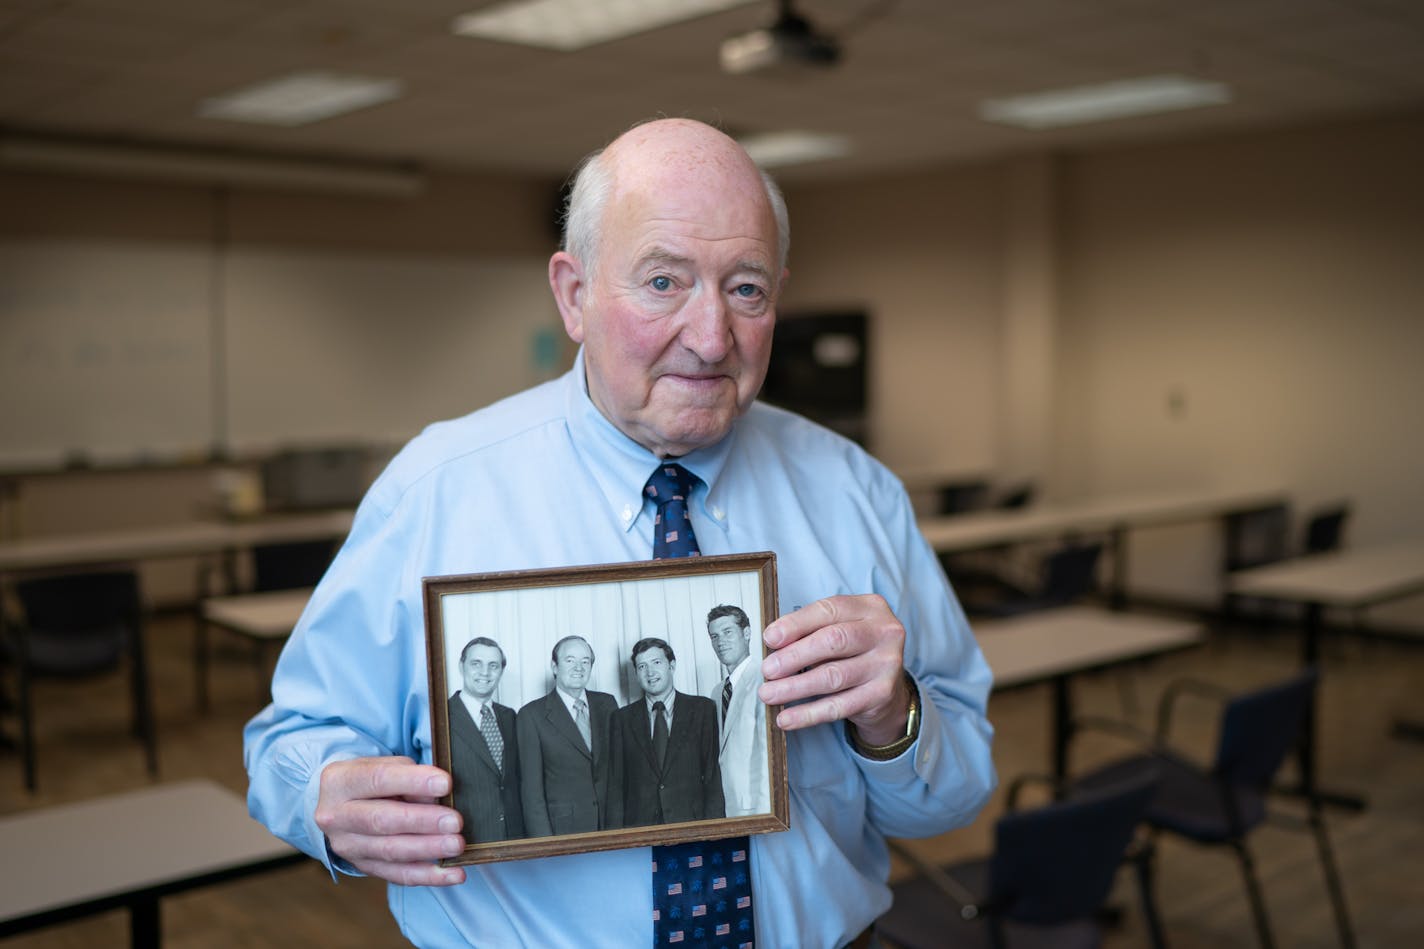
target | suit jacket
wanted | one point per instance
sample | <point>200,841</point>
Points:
<point>486,796</point>
<point>687,785</point>
<point>565,788</point>
<point>746,782</point>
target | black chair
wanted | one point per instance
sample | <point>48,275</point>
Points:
<point>1016,496</point>
<point>961,497</point>
<point>1066,575</point>
<point>1221,803</point>
<point>77,626</point>
<point>1253,538</point>
<point>1325,529</point>
<point>1044,885</point>
<point>280,566</point>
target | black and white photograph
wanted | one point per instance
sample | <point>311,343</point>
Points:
<point>609,706</point>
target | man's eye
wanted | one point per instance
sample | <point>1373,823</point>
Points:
<point>747,290</point>
<point>661,284</point>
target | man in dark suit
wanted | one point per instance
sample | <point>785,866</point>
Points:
<point>670,769</point>
<point>484,755</point>
<point>569,753</point>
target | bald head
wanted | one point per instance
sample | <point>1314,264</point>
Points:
<point>673,148</point>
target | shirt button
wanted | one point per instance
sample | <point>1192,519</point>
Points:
<point>718,513</point>
<point>627,514</point>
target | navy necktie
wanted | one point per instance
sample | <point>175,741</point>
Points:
<point>702,891</point>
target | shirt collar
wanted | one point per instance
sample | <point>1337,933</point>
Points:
<point>621,466</point>
<point>667,702</point>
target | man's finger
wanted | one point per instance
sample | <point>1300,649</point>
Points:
<point>800,623</point>
<point>386,817</point>
<point>829,642</point>
<point>394,777</point>
<point>412,874</point>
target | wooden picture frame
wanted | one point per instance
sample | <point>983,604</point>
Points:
<point>721,751</point>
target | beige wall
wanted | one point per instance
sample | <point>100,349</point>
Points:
<point>1241,310</point>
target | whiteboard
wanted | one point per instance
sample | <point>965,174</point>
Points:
<point>105,351</point>
<point>129,352</point>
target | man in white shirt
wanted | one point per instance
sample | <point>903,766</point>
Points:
<point>742,750</point>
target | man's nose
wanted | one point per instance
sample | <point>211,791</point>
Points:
<point>708,328</point>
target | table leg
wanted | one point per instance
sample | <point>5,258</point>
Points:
<point>145,924</point>
<point>1062,726</point>
<point>1310,655</point>
<point>1117,543</point>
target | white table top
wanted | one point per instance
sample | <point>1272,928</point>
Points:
<point>1348,578</point>
<point>175,540</point>
<point>105,847</point>
<point>270,615</point>
<point>1038,646</point>
<point>986,528</point>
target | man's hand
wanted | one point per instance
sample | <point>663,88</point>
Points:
<point>845,655</point>
<point>381,815</point>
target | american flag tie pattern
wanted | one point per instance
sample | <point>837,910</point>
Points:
<point>669,487</point>
<point>702,891</point>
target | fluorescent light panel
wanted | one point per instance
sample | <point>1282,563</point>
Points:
<point>301,98</point>
<point>1109,100</point>
<point>574,24</point>
<point>777,149</point>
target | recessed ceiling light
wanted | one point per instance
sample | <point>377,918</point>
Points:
<point>775,149</point>
<point>573,24</point>
<point>300,98</point>
<point>1108,100</point>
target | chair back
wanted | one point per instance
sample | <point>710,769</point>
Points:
<point>1326,528</point>
<point>288,566</point>
<point>1259,728</point>
<point>79,623</point>
<point>960,497</point>
<point>1070,572</point>
<point>1016,497</point>
<point>1055,864</point>
<point>1257,537</point>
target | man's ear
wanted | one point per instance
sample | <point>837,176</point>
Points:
<point>566,279</point>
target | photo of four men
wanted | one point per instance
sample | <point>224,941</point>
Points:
<point>573,761</point>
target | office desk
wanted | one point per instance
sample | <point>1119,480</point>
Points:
<point>1345,579</point>
<point>1113,515</point>
<point>127,851</point>
<point>261,617</point>
<point>1055,645</point>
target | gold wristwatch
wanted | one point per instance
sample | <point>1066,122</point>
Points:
<point>898,746</point>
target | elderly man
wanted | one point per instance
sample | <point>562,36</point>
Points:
<point>670,771</point>
<point>484,761</point>
<point>742,741</point>
<point>674,256</point>
<point>569,750</point>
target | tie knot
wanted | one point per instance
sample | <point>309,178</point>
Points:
<point>669,482</point>
<point>658,707</point>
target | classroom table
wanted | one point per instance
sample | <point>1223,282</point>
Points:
<point>1113,515</point>
<point>1055,645</point>
<point>61,551</point>
<point>129,850</point>
<point>1351,579</point>
<point>221,538</point>
<point>264,618</point>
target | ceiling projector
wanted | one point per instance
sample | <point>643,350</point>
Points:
<point>789,44</point>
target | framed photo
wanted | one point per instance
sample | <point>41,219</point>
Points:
<point>592,708</point>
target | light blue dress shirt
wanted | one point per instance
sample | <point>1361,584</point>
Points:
<point>542,479</point>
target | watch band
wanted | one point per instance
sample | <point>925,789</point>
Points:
<point>897,747</point>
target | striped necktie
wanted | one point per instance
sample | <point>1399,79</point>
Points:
<point>702,891</point>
